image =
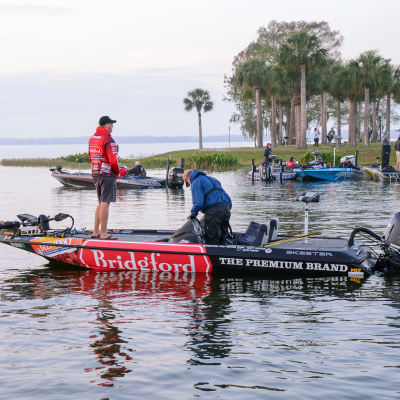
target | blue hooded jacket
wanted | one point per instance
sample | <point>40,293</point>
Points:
<point>200,185</point>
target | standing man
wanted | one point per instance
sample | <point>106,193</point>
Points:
<point>209,198</point>
<point>397,147</point>
<point>317,135</point>
<point>386,148</point>
<point>104,159</point>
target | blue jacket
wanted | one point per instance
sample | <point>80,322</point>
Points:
<point>267,152</point>
<point>200,185</point>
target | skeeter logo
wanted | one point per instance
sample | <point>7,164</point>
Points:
<point>151,260</point>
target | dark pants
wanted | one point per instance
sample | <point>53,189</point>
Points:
<point>216,223</point>
<point>316,141</point>
<point>385,155</point>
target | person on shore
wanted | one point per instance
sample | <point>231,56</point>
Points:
<point>103,157</point>
<point>397,147</point>
<point>317,135</point>
<point>331,135</point>
<point>137,170</point>
<point>209,198</point>
<point>268,152</point>
<point>347,164</point>
<point>291,162</point>
<point>386,148</point>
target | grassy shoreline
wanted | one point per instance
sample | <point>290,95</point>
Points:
<point>366,157</point>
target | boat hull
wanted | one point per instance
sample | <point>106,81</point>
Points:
<point>376,174</point>
<point>85,181</point>
<point>285,176</point>
<point>329,174</point>
<point>151,251</point>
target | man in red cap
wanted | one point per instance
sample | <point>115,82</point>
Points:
<point>268,152</point>
<point>105,170</point>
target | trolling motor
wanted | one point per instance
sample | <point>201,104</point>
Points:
<point>31,225</point>
<point>57,169</point>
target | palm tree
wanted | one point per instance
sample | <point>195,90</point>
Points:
<point>336,92</point>
<point>199,99</point>
<point>254,73</point>
<point>370,72</point>
<point>390,84</point>
<point>302,51</point>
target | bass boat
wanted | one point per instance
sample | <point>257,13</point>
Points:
<point>273,169</point>
<point>261,250</point>
<point>328,174</point>
<point>386,174</point>
<point>84,180</point>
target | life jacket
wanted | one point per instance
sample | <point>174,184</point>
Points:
<point>290,164</point>
<point>103,154</point>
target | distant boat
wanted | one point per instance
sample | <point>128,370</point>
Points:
<point>387,175</point>
<point>85,181</point>
<point>328,174</point>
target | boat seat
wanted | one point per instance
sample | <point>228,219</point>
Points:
<point>262,235</point>
<point>268,233</point>
<point>249,236</point>
<point>273,229</point>
<point>308,197</point>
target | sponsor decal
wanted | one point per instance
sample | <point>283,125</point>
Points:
<point>284,264</point>
<point>356,273</point>
<point>309,253</point>
<point>68,255</point>
<point>149,258</point>
<point>95,150</point>
<point>268,251</point>
<point>18,245</point>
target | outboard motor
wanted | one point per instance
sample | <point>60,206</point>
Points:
<point>392,232</point>
<point>175,177</point>
<point>266,168</point>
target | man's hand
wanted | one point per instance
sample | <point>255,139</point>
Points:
<point>190,216</point>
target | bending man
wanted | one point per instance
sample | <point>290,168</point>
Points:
<point>104,159</point>
<point>209,198</point>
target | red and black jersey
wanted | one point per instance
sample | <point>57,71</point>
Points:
<point>103,153</point>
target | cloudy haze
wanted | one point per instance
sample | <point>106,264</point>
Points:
<point>63,67</point>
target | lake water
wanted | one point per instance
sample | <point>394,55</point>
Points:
<point>125,150</point>
<point>74,334</point>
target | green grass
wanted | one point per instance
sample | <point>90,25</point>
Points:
<point>212,159</point>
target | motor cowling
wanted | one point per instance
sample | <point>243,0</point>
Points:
<point>175,176</point>
<point>392,232</point>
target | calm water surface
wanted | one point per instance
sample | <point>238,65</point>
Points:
<point>73,334</point>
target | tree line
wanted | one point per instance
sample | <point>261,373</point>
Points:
<point>293,77</point>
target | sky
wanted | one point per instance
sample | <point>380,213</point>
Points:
<point>66,63</point>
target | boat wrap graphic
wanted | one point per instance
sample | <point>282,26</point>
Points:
<point>68,255</point>
<point>133,256</point>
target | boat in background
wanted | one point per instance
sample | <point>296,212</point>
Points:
<point>81,180</point>
<point>328,174</point>
<point>274,170</point>
<point>387,174</point>
<point>318,171</point>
